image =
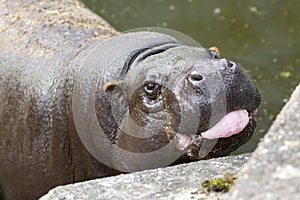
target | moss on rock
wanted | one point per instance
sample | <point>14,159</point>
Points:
<point>220,184</point>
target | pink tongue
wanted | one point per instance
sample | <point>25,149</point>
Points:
<point>231,124</point>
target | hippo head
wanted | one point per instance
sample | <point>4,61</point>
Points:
<point>157,92</point>
<point>190,99</point>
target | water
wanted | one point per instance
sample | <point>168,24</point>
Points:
<point>264,36</point>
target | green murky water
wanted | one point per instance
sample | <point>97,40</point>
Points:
<point>264,36</point>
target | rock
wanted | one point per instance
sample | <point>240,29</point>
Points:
<point>273,172</point>
<point>175,182</point>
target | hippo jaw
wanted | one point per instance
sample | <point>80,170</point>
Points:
<point>222,139</point>
<point>231,124</point>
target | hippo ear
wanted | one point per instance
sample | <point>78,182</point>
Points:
<point>111,103</point>
<point>110,86</point>
<point>214,52</point>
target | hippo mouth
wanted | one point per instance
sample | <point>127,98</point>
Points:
<point>233,123</point>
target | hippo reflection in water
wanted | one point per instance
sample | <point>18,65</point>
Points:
<point>152,92</point>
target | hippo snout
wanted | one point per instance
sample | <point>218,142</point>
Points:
<point>219,95</point>
<point>241,91</point>
<point>227,98</point>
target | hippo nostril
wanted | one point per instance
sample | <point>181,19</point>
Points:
<point>227,63</point>
<point>231,64</point>
<point>195,76</point>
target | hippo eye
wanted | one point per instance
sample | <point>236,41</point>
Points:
<point>151,90</point>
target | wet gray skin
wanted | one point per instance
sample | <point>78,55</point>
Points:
<point>168,89</point>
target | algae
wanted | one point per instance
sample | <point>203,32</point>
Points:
<point>220,184</point>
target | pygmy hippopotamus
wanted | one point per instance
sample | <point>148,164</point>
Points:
<point>79,100</point>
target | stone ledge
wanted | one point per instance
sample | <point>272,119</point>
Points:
<point>175,182</point>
